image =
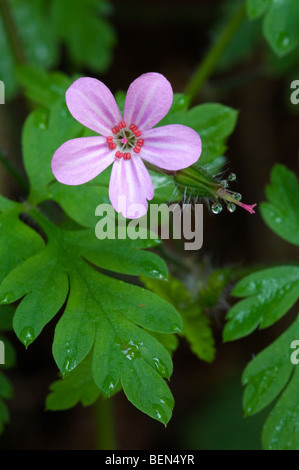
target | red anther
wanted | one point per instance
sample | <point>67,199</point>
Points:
<point>118,154</point>
<point>109,140</point>
<point>137,133</point>
<point>137,149</point>
<point>112,146</point>
<point>140,142</point>
<point>133,127</point>
<point>115,130</point>
<point>122,124</point>
<point>127,156</point>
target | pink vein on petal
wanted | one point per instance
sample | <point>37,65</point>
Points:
<point>92,104</point>
<point>80,160</point>
<point>148,100</point>
<point>130,185</point>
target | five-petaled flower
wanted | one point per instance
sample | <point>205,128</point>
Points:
<point>125,140</point>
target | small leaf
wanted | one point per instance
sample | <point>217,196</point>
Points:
<point>77,386</point>
<point>268,373</point>
<point>270,294</point>
<point>256,8</point>
<point>281,212</point>
<point>281,431</point>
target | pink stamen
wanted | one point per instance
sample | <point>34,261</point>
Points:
<point>133,127</point>
<point>119,154</point>
<point>140,142</point>
<point>112,146</point>
<point>124,140</point>
<point>127,156</point>
<point>115,130</point>
<point>122,124</point>
<point>109,140</point>
<point>137,133</point>
<point>137,149</point>
<point>248,208</point>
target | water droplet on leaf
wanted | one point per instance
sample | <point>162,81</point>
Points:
<point>7,298</point>
<point>27,336</point>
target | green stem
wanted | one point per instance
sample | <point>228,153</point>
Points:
<point>210,61</point>
<point>103,413</point>
<point>12,32</point>
<point>14,173</point>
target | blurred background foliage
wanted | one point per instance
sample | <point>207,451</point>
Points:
<point>116,41</point>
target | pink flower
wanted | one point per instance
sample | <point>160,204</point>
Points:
<point>125,141</point>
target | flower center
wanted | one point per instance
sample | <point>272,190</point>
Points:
<point>125,140</point>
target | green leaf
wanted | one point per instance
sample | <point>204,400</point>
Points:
<point>268,373</point>
<point>266,376</point>
<point>213,122</point>
<point>196,326</point>
<point>270,294</point>
<point>91,45</point>
<point>256,8</point>
<point>98,308</point>
<point>17,243</point>
<point>147,391</point>
<point>280,24</point>
<point>37,41</point>
<point>43,133</point>
<point>77,386</point>
<point>281,431</point>
<point>281,212</point>
<point>42,87</point>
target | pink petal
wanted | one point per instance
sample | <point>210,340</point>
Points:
<point>92,104</point>
<point>80,160</point>
<point>130,187</point>
<point>148,100</point>
<point>171,147</point>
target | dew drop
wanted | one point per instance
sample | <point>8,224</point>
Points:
<point>159,413</point>
<point>27,336</point>
<point>232,177</point>
<point>216,208</point>
<point>160,366</point>
<point>108,385</point>
<point>224,184</point>
<point>231,207</point>
<point>283,41</point>
<point>237,196</point>
<point>69,364</point>
<point>176,329</point>
<point>7,298</point>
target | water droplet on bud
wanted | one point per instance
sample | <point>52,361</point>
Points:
<point>224,184</point>
<point>216,208</point>
<point>232,177</point>
<point>231,207</point>
<point>237,196</point>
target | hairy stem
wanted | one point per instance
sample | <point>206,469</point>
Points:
<point>103,413</point>
<point>210,61</point>
<point>12,32</point>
